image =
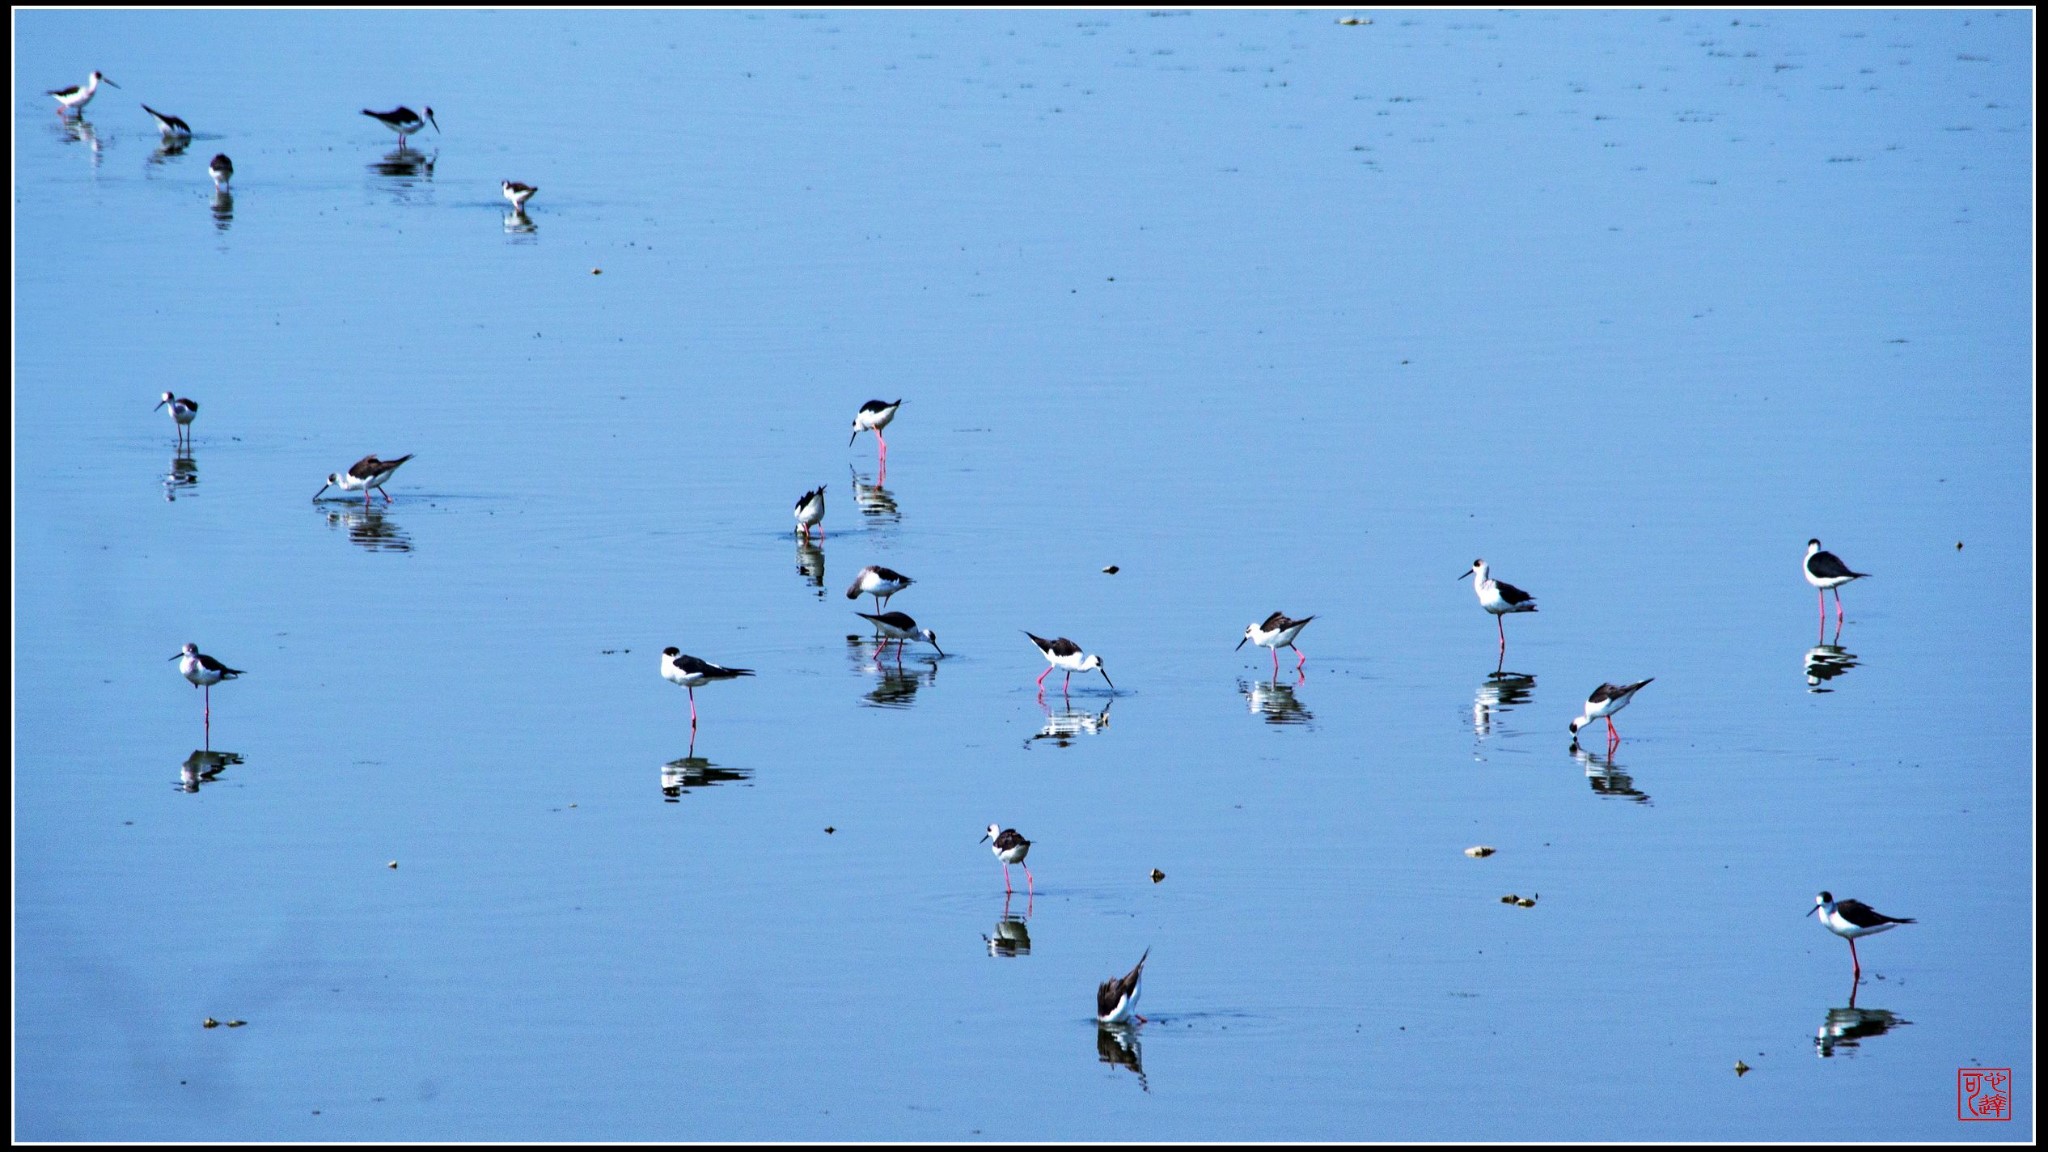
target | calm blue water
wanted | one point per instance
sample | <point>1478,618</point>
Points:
<point>1270,312</point>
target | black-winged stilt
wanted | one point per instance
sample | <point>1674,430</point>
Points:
<point>1066,655</point>
<point>1825,570</point>
<point>1852,918</point>
<point>403,121</point>
<point>75,98</point>
<point>1605,701</point>
<point>1118,995</point>
<point>693,674</point>
<point>1011,848</point>
<point>367,473</point>
<point>879,582</point>
<point>1498,597</point>
<point>1276,633</point>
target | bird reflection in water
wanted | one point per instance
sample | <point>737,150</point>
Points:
<point>520,224</point>
<point>1118,1044</point>
<point>876,502</point>
<point>80,131</point>
<point>899,682</point>
<point>404,170</point>
<point>223,209</point>
<point>693,771</point>
<point>1824,663</point>
<point>369,528</point>
<point>1606,777</point>
<point>1013,936</point>
<point>1275,701</point>
<point>203,766</point>
<point>173,145</point>
<point>1066,722</point>
<point>184,474</point>
<point>1848,1027</point>
<point>1499,694</point>
<point>810,564</point>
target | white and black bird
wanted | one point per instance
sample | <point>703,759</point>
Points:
<point>1276,633</point>
<point>1825,570</point>
<point>1067,656</point>
<point>873,417</point>
<point>898,626</point>
<point>75,98</point>
<point>1852,918</point>
<point>204,672</point>
<point>518,193</point>
<point>1116,999</point>
<point>1605,701</point>
<point>692,673</point>
<point>403,121</point>
<point>1498,597</point>
<point>879,582</point>
<point>1011,848</point>
<point>810,511</point>
<point>183,411</point>
<point>171,126</point>
<point>222,170</point>
<point>365,474</point>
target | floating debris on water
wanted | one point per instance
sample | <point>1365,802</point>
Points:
<point>1113,569</point>
<point>392,864</point>
<point>1528,903</point>
<point>1741,1068</point>
<point>1157,875</point>
<point>1353,20</point>
<point>209,1022</point>
<point>1481,851</point>
<point>830,829</point>
<point>237,1023</point>
<point>1510,898</point>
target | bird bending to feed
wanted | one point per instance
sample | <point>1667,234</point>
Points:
<point>168,124</point>
<point>873,417</point>
<point>1852,918</point>
<point>518,193</point>
<point>221,169</point>
<point>1118,995</point>
<point>898,626</point>
<point>1067,655</point>
<point>879,582</point>
<point>204,672</point>
<point>1011,848</point>
<point>75,98</point>
<point>1498,597</point>
<point>1605,701</point>
<point>403,121</point>
<point>693,674</point>
<point>810,510</point>
<point>1276,633</point>
<point>1825,570</point>
<point>367,473</point>
<point>182,411</point>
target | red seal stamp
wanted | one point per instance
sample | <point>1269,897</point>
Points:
<point>1983,1093</point>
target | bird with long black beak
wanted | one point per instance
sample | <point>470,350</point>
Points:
<point>898,626</point>
<point>403,121</point>
<point>1276,633</point>
<point>1850,919</point>
<point>75,98</point>
<point>183,410</point>
<point>367,473</point>
<point>873,417</point>
<point>1066,655</point>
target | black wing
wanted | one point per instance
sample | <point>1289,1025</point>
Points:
<point>62,91</point>
<point>696,667</point>
<point>879,405</point>
<point>365,468</point>
<point>1062,647</point>
<point>1512,594</point>
<point>1118,987</point>
<point>1008,840</point>
<point>168,120</point>
<point>892,575</point>
<point>1863,915</point>
<point>1275,622</point>
<point>1828,566</point>
<point>1615,691</point>
<point>892,619</point>
<point>212,665</point>
<point>189,403</point>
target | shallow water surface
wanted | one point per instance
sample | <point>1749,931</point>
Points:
<point>1266,310</point>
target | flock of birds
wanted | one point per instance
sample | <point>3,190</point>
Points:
<point>71,101</point>
<point>1117,997</point>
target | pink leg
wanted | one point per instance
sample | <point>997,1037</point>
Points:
<point>1838,607</point>
<point>878,649</point>
<point>1043,675</point>
<point>1006,880</point>
<point>1498,622</point>
<point>1302,661</point>
<point>1030,885</point>
<point>1853,960</point>
<point>693,707</point>
<point>386,496</point>
<point>1821,602</point>
<point>1276,663</point>
<point>1067,687</point>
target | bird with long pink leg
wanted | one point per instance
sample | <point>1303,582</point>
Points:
<point>692,674</point>
<point>1067,656</point>
<point>1011,848</point>
<point>873,417</point>
<point>1825,571</point>
<point>204,672</point>
<point>1276,633</point>
<point>1852,918</point>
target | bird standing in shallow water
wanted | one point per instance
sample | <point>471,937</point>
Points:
<point>1825,570</point>
<point>169,125</point>
<point>182,411</point>
<point>873,417</point>
<point>1064,654</point>
<point>1118,996</point>
<point>1605,701</point>
<point>898,626</point>
<point>204,672</point>
<point>693,674</point>
<point>1276,633</point>
<point>1011,848</point>
<point>518,194</point>
<point>222,170</point>
<point>404,121</point>
<point>1498,597</point>
<point>75,98</point>
<point>810,511</point>
<point>1850,919</point>
<point>367,473</point>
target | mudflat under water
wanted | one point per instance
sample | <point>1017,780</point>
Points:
<point>1267,310</point>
